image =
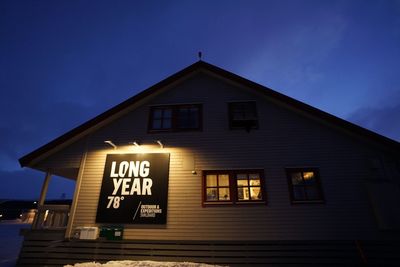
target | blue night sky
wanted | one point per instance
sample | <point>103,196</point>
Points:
<point>64,62</point>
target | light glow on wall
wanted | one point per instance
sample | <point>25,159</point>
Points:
<point>150,146</point>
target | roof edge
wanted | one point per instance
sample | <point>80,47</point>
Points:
<point>26,160</point>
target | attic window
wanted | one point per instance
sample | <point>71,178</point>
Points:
<point>175,118</point>
<point>243,115</point>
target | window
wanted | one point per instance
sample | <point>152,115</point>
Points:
<point>243,115</point>
<point>188,117</point>
<point>248,186</point>
<point>239,186</point>
<point>162,118</point>
<point>175,118</point>
<point>217,187</point>
<point>304,185</point>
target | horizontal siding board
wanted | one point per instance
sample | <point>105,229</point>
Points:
<point>41,251</point>
<point>327,254</point>
<point>235,253</point>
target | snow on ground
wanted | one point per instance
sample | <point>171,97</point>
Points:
<point>142,264</point>
<point>11,241</point>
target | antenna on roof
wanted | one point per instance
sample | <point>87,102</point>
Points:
<point>199,54</point>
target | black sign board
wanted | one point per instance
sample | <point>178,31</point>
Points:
<point>134,189</point>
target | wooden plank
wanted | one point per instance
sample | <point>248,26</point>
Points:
<point>209,253</point>
<point>41,235</point>
<point>226,242</point>
<point>305,260</point>
<point>35,243</point>
<point>45,262</point>
<point>185,247</point>
<point>193,257</point>
<point>221,252</point>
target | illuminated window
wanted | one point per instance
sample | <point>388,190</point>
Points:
<point>304,185</point>
<point>175,118</point>
<point>217,187</point>
<point>243,115</point>
<point>248,186</point>
<point>237,186</point>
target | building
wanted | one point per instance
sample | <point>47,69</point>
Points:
<point>23,211</point>
<point>207,158</point>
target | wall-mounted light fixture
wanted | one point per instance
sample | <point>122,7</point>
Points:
<point>160,143</point>
<point>135,143</point>
<point>110,143</point>
<point>138,144</point>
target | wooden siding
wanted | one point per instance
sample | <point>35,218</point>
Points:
<point>43,249</point>
<point>285,138</point>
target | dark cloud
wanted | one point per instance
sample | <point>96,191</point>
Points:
<point>383,120</point>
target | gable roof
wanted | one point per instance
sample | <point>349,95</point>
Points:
<point>201,65</point>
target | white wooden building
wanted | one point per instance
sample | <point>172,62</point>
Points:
<point>243,164</point>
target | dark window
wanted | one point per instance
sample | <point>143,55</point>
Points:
<point>304,185</point>
<point>188,117</point>
<point>243,115</point>
<point>236,186</point>
<point>162,118</point>
<point>175,118</point>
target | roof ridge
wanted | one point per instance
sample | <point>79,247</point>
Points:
<point>28,158</point>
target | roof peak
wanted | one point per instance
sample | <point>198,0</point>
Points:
<point>83,128</point>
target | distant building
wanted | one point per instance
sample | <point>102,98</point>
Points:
<point>206,156</point>
<point>23,210</point>
<point>17,210</point>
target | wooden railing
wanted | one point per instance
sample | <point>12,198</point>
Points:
<point>51,217</point>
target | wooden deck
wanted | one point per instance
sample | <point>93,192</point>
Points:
<point>48,248</point>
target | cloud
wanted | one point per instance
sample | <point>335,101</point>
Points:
<point>294,57</point>
<point>383,120</point>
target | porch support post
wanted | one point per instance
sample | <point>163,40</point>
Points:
<point>45,186</point>
<point>39,217</point>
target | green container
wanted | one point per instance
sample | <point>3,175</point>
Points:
<point>112,232</point>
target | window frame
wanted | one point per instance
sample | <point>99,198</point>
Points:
<point>318,185</point>
<point>233,188</point>
<point>231,119</point>
<point>175,118</point>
